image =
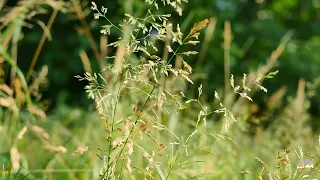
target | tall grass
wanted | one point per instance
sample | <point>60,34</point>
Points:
<point>138,100</point>
<point>21,110</point>
<point>145,126</point>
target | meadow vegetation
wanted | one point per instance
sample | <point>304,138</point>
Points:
<point>150,101</point>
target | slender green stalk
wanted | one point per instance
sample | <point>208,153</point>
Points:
<point>127,139</point>
<point>146,16</point>
<point>174,162</point>
<point>112,124</point>
<point>176,51</point>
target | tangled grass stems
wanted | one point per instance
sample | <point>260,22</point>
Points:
<point>146,74</point>
<point>127,138</point>
<point>112,126</point>
<point>9,59</point>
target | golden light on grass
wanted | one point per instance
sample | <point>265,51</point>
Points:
<point>37,111</point>
<point>80,150</point>
<point>226,46</point>
<point>22,133</point>
<point>41,132</point>
<point>5,88</point>
<point>6,102</point>
<point>15,159</point>
<point>120,57</point>
<point>56,149</point>
<point>207,39</point>
<point>85,61</point>
<point>20,95</point>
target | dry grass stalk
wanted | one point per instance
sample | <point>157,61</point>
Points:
<point>56,149</point>
<point>37,111</point>
<point>103,46</point>
<point>207,39</point>
<point>41,132</point>
<point>79,12</point>
<point>22,133</point>
<point>103,53</point>
<point>276,97</point>
<point>299,102</point>
<point>227,44</point>
<point>15,159</point>
<point>166,51</point>
<point>120,56</point>
<point>80,150</point>
<point>20,95</point>
<point>259,160</point>
<point>85,62</point>
<point>41,43</point>
<point>198,26</point>
<point>7,102</point>
<point>271,62</point>
<point>129,153</point>
<point>26,10</point>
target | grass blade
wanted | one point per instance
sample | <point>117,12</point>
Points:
<point>159,171</point>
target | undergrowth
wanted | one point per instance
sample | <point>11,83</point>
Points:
<point>140,94</point>
<point>148,128</point>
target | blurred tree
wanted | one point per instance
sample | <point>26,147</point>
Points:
<point>257,28</point>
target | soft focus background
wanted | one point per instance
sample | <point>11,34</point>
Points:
<point>45,43</point>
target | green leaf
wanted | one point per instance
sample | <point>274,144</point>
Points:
<point>159,171</point>
<point>271,74</point>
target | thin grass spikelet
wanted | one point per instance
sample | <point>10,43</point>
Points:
<point>259,160</point>
<point>41,132</point>
<point>117,143</point>
<point>261,173</point>
<point>15,159</point>
<point>6,89</point>
<point>245,172</point>
<point>198,26</point>
<point>22,133</point>
<point>129,153</point>
<point>7,102</point>
<point>150,160</point>
<point>80,150</point>
<point>37,111</point>
<point>56,149</point>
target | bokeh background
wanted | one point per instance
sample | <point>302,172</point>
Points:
<point>258,27</point>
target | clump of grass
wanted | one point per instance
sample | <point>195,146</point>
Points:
<point>21,109</point>
<point>136,104</point>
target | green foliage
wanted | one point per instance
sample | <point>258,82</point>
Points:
<point>164,111</point>
<point>130,80</point>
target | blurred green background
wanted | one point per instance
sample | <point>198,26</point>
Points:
<point>257,28</point>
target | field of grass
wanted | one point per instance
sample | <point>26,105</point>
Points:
<point>150,114</point>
